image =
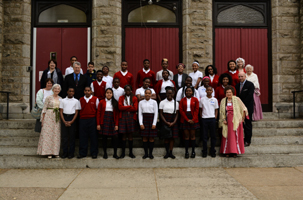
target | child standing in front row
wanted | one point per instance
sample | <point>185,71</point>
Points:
<point>108,121</point>
<point>69,108</point>
<point>209,112</point>
<point>189,110</point>
<point>87,124</point>
<point>128,106</point>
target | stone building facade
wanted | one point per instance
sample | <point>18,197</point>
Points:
<point>106,49</point>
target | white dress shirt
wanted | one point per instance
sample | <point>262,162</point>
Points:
<point>166,84</point>
<point>233,72</point>
<point>70,105</point>
<point>127,101</point>
<point>180,80</point>
<point>195,76</point>
<point>109,80</point>
<point>180,91</point>
<point>168,106</point>
<point>211,77</point>
<point>188,104</point>
<point>124,73</point>
<point>109,105</point>
<point>159,75</point>
<point>149,106</point>
<point>141,91</point>
<point>118,92</point>
<point>70,70</point>
<point>99,83</point>
<point>202,92</point>
<point>209,106</point>
<point>87,100</point>
<point>145,71</point>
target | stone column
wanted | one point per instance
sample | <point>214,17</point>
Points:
<point>106,34</point>
<point>197,33</point>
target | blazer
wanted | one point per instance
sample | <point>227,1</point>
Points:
<point>70,82</point>
<point>44,77</point>
<point>133,108</point>
<point>194,107</point>
<point>101,111</point>
<point>175,79</point>
<point>247,95</point>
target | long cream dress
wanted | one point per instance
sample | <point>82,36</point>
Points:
<point>50,137</point>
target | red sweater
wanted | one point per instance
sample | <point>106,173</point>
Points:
<point>159,85</point>
<point>128,79</point>
<point>219,93</point>
<point>141,75</point>
<point>133,108</point>
<point>101,111</point>
<point>99,90</point>
<point>194,107</point>
<point>88,110</point>
<point>214,84</point>
<point>234,76</point>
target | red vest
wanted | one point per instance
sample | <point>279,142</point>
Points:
<point>88,110</point>
<point>99,90</point>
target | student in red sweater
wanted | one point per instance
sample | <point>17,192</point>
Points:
<point>108,121</point>
<point>87,124</point>
<point>233,72</point>
<point>162,84</point>
<point>125,77</point>
<point>98,86</point>
<point>211,72</point>
<point>128,106</point>
<point>146,72</point>
<point>189,111</point>
<point>224,81</point>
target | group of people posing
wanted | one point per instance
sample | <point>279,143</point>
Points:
<point>97,104</point>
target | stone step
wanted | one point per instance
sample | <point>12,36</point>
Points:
<point>18,124</point>
<point>252,160</point>
<point>278,123</point>
<point>253,149</point>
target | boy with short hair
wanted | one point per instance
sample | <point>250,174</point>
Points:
<point>87,124</point>
<point>118,91</point>
<point>69,108</point>
<point>91,74</point>
<point>99,86</point>
<point>70,69</point>
<point>125,77</point>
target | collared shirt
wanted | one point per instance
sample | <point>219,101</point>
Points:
<point>141,91</point>
<point>169,106</point>
<point>76,76</point>
<point>99,83</point>
<point>180,91</point>
<point>145,71</point>
<point>195,76</point>
<point>166,84</point>
<point>159,75</point>
<point>70,70</point>
<point>180,80</point>
<point>211,77</point>
<point>209,106</point>
<point>202,92</point>
<point>109,105</point>
<point>127,101</point>
<point>149,106</point>
<point>108,79</point>
<point>70,105</point>
<point>188,104</point>
<point>87,100</point>
<point>118,92</point>
<point>242,84</point>
<point>233,72</point>
<point>123,73</point>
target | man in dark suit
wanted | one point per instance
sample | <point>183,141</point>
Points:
<point>245,91</point>
<point>75,80</point>
<point>180,76</point>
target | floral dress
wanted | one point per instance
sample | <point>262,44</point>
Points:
<point>50,137</point>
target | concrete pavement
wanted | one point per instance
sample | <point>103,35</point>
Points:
<point>152,183</point>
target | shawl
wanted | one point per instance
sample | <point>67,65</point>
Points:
<point>254,79</point>
<point>55,75</point>
<point>239,110</point>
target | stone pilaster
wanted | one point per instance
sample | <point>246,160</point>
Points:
<point>197,32</point>
<point>106,34</point>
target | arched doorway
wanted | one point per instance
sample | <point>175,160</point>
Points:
<point>152,30</point>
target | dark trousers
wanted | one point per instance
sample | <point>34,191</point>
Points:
<point>209,124</point>
<point>248,129</point>
<point>87,129</point>
<point>68,136</point>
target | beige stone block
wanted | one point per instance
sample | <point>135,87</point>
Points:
<point>290,26</point>
<point>100,3</point>
<point>288,19</point>
<point>288,11</point>
<point>285,33</point>
<point>17,38</point>
<point>283,57</point>
<point>31,193</point>
<point>26,51</point>
<point>105,42</point>
<point>289,3</point>
<point>291,86</point>
<point>26,9</point>
<point>277,88</point>
<point>290,49</point>
<point>289,41</point>
<point>290,64</point>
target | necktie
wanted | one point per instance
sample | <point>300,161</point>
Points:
<point>76,80</point>
<point>241,86</point>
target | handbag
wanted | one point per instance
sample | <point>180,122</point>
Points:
<point>166,131</point>
<point>36,112</point>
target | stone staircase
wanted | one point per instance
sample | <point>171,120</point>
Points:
<point>275,143</point>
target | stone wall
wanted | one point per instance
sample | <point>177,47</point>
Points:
<point>16,31</point>
<point>197,33</point>
<point>106,34</point>
<point>286,45</point>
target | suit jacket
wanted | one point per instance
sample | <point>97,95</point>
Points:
<point>79,89</point>
<point>44,77</point>
<point>247,95</point>
<point>175,79</point>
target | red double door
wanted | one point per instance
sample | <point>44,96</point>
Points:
<point>153,44</point>
<point>65,42</point>
<point>250,44</point>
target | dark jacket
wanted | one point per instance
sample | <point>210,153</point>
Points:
<point>247,95</point>
<point>184,76</point>
<point>70,82</point>
<point>91,77</point>
<point>44,77</point>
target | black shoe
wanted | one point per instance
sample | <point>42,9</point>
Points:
<point>94,156</point>
<point>213,155</point>
<point>64,156</point>
<point>145,156</point>
<point>79,157</point>
<point>105,156</point>
<point>204,155</point>
<point>71,156</point>
<point>172,156</point>
<point>166,156</point>
<point>187,155</point>
<point>193,155</point>
<point>131,155</point>
<point>122,156</point>
<point>115,156</point>
<point>246,144</point>
<point>151,156</point>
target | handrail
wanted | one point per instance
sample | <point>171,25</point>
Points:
<point>7,101</point>
<point>294,101</point>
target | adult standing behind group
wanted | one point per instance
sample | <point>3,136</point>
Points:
<point>180,78</point>
<point>53,73</point>
<point>252,77</point>
<point>75,80</point>
<point>245,91</point>
<point>233,72</point>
